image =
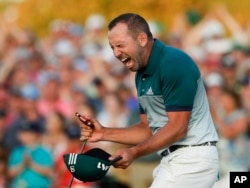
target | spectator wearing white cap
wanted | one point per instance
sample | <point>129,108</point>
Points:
<point>228,71</point>
<point>214,83</point>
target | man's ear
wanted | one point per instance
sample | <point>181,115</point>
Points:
<point>143,39</point>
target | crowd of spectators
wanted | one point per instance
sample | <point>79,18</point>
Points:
<point>44,81</point>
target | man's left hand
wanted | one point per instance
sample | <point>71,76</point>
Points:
<point>127,158</point>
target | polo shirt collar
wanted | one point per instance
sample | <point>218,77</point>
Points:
<point>153,58</point>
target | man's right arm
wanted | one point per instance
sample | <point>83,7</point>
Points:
<point>131,135</point>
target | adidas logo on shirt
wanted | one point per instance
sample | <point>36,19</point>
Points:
<point>150,91</point>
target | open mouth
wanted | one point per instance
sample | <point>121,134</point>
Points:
<point>125,60</point>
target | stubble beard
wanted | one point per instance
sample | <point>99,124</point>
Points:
<point>139,58</point>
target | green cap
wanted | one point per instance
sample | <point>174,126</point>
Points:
<point>89,166</point>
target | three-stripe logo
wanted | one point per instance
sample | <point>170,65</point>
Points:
<point>72,161</point>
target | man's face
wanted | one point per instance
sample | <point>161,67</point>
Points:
<point>125,48</point>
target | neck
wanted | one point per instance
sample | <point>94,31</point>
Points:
<point>31,145</point>
<point>148,51</point>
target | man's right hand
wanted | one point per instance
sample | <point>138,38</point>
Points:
<point>91,129</point>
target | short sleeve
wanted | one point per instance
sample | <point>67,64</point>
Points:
<point>179,80</point>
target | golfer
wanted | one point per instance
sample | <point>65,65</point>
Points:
<point>174,110</point>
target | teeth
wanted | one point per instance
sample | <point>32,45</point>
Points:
<point>124,59</point>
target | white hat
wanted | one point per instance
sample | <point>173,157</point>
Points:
<point>213,79</point>
<point>65,48</point>
<point>212,28</point>
<point>218,46</point>
<point>197,53</point>
<point>95,21</point>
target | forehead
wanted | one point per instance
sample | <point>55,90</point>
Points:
<point>118,32</point>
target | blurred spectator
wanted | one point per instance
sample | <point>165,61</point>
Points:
<point>95,38</point>
<point>244,64</point>
<point>97,93</point>
<point>35,65</point>
<point>28,112</point>
<point>228,71</point>
<point>131,103</point>
<point>4,156</point>
<point>13,107</point>
<point>50,99</point>
<point>3,121</point>
<point>9,57</point>
<point>80,97</point>
<point>114,114</point>
<point>30,165</point>
<point>199,56</point>
<point>66,79</point>
<point>214,84</point>
<point>82,74</point>
<point>231,123</point>
<point>54,137</point>
<point>245,100</point>
<point>62,176</point>
<point>127,97</point>
<point>239,35</point>
<point>3,98</point>
<point>19,77</point>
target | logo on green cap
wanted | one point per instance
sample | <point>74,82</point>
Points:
<point>89,166</point>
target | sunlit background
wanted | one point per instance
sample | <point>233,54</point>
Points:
<point>37,14</point>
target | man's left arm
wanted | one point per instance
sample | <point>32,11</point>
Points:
<point>173,131</point>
